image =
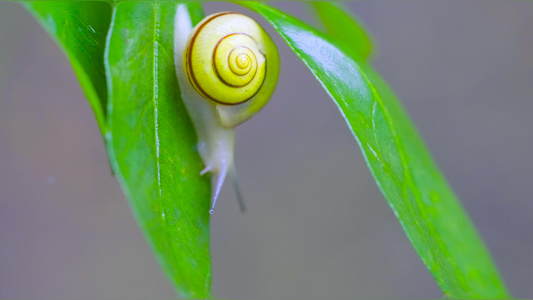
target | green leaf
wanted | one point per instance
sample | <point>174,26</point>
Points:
<point>345,28</point>
<point>80,28</point>
<point>150,138</point>
<point>426,207</point>
<point>196,12</point>
<point>151,143</point>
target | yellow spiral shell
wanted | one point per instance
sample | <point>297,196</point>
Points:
<point>231,61</point>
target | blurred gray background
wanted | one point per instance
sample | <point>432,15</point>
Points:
<point>317,226</point>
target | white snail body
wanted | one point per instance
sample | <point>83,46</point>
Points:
<point>227,68</point>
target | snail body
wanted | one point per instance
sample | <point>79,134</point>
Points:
<point>227,68</point>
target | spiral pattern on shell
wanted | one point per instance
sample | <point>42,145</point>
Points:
<point>226,59</point>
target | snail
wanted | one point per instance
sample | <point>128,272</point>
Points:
<point>227,67</point>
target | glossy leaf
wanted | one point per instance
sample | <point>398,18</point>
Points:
<point>345,28</point>
<point>80,28</point>
<point>150,138</point>
<point>151,143</point>
<point>426,207</point>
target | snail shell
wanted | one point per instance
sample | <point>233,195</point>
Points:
<point>231,61</point>
<point>227,68</point>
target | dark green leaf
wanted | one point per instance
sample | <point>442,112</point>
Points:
<point>80,28</point>
<point>426,207</point>
<point>151,143</point>
<point>343,27</point>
